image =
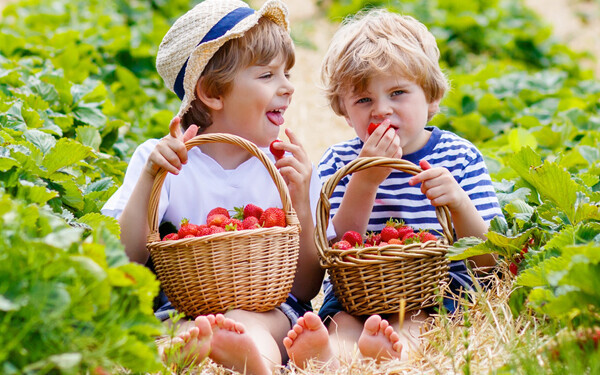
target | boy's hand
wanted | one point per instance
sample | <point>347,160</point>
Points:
<point>170,153</point>
<point>296,170</point>
<point>383,142</point>
<point>440,187</point>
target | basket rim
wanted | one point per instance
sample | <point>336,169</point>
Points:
<point>359,164</point>
<point>290,213</point>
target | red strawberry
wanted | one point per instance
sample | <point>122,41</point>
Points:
<point>232,225</point>
<point>252,210</point>
<point>171,237</point>
<point>204,231</point>
<point>395,241</point>
<point>411,238</point>
<point>218,210</point>
<point>389,233</point>
<point>276,152</point>
<point>250,222</point>
<point>342,245</point>
<point>216,220</point>
<point>272,217</point>
<point>513,268</point>
<point>372,127</point>
<point>426,236</point>
<point>404,231</point>
<point>187,229</point>
<point>214,229</point>
<point>189,236</point>
<point>373,239</point>
<point>354,238</point>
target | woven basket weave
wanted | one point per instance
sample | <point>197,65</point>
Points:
<point>250,269</point>
<point>374,280</point>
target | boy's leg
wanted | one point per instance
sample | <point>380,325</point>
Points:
<point>344,332</point>
<point>249,342</point>
<point>308,340</point>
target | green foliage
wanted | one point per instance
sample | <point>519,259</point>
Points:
<point>70,301</point>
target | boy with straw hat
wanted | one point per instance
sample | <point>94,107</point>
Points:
<point>229,65</point>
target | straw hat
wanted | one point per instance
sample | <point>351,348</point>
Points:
<point>197,35</point>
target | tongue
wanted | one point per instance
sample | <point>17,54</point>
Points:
<point>275,117</point>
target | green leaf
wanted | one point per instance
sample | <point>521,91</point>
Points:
<point>519,138</point>
<point>538,275</point>
<point>89,136</point>
<point>65,153</point>
<point>95,219</point>
<point>89,113</point>
<point>552,182</point>
<point>41,140</point>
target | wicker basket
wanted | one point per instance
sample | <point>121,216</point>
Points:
<point>374,280</point>
<point>250,270</point>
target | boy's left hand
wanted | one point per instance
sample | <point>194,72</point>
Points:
<point>296,170</point>
<point>440,187</point>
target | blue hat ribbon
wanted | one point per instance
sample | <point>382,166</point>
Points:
<point>218,30</point>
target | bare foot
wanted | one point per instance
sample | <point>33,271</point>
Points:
<point>233,348</point>
<point>378,340</point>
<point>307,340</point>
<point>191,346</point>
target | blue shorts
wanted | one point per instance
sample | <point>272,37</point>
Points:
<point>292,308</point>
<point>460,281</point>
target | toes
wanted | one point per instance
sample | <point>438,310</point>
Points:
<point>298,329</point>
<point>203,325</point>
<point>372,325</point>
<point>287,342</point>
<point>312,321</point>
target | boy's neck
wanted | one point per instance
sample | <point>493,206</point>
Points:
<point>226,155</point>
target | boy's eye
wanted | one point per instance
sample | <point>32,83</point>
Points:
<point>267,75</point>
<point>397,92</point>
<point>363,100</point>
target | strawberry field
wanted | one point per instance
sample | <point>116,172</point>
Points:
<point>79,90</point>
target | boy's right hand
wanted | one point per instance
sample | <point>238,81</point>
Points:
<point>383,142</point>
<point>170,153</point>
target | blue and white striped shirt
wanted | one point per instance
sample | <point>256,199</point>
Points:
<point>397,199</point>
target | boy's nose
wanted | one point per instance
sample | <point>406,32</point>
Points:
<point>286,88</point>
<point>381,110</point>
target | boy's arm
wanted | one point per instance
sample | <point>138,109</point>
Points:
<point>357,202</point>
<point>296,171</point>
<point>169,154</point>
<point>442,189</point>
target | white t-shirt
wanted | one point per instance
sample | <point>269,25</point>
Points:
<point>203,184</point>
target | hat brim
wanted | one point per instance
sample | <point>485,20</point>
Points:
<point>272,9</point>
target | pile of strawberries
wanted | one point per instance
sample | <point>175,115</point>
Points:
<point>394,232</point>
<point>219,220</point>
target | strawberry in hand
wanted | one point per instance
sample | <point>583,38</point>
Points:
<point>276,152</point>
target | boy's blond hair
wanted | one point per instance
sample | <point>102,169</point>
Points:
<point>258,46</point>
<point>378,41</point>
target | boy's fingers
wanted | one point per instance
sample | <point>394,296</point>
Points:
<point>174,128</point>
<point>190,133</point>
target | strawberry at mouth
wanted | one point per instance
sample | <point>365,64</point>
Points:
<point>276,117</point>
<point>373,126</point>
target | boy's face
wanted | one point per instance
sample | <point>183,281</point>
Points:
<point>389,96</point>
<point>254,107</point>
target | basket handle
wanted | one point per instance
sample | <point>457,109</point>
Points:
<point>159,179</point>
<point>358,164</point>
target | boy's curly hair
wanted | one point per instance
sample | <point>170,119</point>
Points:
<point>257,46</point>
<point>378,41</point>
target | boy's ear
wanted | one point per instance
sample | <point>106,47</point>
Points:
<point>213,103</point>
<point>434,107</point>
<point>348,121</point>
